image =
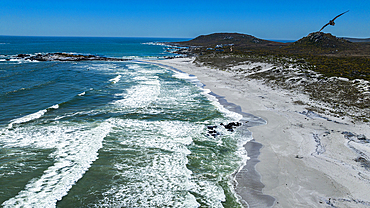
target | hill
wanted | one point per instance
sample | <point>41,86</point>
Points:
<point>320,43</point>
<point>325,53</point>
<point>317,43</point>
<point>237,40</point>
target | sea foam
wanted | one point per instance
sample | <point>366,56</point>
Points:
<point>31,117</point>
<point>162,178</point>
<point>139,96</point>
<point>142,94</point>
<point>82,94</point>
<point>116,79</point>
<point>75,149</point>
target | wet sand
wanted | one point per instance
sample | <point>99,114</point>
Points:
<point>299,158</point>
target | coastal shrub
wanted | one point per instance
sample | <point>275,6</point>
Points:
<point>314,80</point>
<point>307,65</point>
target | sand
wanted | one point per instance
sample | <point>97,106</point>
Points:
<point>299,158</point>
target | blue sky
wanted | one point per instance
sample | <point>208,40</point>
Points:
<point>268,19</point>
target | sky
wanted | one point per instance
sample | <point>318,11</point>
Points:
<point>267,19</point>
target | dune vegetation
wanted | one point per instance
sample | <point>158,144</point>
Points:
<point>333,71</point>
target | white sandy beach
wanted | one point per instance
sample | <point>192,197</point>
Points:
<point>306,160</point>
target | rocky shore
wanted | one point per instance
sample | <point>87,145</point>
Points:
<point>65,57</point>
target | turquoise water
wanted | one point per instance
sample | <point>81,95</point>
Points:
<point>110,134</point>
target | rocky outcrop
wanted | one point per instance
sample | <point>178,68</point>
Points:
<point>322,41</point>
<point>229,127</point>
<point>65,57</point>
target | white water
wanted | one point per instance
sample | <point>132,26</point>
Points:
<point>116,79</point>
<point>75,147</point>
<point>31,117</point>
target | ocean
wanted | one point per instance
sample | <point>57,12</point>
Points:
<point>112,133</point>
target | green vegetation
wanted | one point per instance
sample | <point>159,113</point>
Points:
<point>321,52</point>
<point>335,96</point>
<point>308,65</point>
<point>332,96</point>
<point>348,67</point>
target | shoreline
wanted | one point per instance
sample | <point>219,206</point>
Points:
<point>306,159</point>
<point>247,184</point>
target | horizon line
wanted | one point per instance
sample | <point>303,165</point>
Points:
<point>67,36</point>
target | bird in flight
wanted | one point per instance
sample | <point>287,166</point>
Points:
<point>331,22</point>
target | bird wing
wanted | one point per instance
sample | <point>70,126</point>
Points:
<point>340,15</point>
<point>324,26</point>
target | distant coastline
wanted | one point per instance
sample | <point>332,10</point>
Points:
<point>357,40</point>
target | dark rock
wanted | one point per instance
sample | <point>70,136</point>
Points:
<point>212,132</point>
<point>22,55</point>
<point>66,57</point>
<point>211,127</point>
<point>231,125</point>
